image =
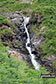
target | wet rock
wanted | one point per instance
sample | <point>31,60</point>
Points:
<point>39,20</point>
<point>51,58</point>
<point>37,40</point>
<point>49,64</point>
<point>4,43</point>
<point>35,19</point>
<point>13,17</point>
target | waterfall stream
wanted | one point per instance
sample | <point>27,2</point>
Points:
<point>34,62</point>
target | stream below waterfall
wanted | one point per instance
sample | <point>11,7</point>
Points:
<point>32,56</point>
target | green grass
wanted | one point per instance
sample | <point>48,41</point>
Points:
<point>2,19</point>
<point>8,6</point>
<point>7,31</point>
<point>35,29</point>
<point>47,9</point>
<point>14,71</point>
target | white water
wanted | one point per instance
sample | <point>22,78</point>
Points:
<point>34,62</point>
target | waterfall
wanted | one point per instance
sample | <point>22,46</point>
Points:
<point>34,62</point>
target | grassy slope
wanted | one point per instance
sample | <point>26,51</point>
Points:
<point>13,71</point>
<point>48,11</point>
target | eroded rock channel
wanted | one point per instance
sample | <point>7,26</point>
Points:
<point>23,41</point>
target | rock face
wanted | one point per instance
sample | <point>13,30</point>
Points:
<point>17,39</point>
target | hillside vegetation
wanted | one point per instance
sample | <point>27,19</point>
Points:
<point>14,71</point>
<point>46,8</point>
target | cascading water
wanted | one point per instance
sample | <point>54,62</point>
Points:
<point>34,62</point>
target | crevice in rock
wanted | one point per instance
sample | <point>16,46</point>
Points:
<point>20,37</point>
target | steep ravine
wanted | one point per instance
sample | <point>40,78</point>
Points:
<point>23,40</point>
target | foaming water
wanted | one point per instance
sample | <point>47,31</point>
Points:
<point>34,62</point>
